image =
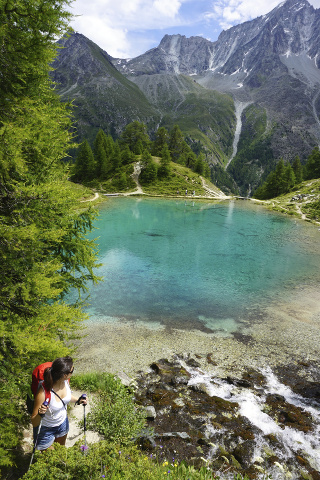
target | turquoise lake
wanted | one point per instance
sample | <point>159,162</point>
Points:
<point>195,264</point>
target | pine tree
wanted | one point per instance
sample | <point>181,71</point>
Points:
<point>164,169</point>
<point>126,155</point>
<point>177,145</point>
<point>199,166</point>
<point>102,166</point>
<point>149,168</point>
<point>84,168</point>
<point>135,135</point>
<point>44,250</point>
<point>162,139</point>
<point>312,167</point>
<point>116,157</point>
<point>109,147</point>
<point>298,170</point>
<point>290,179</point>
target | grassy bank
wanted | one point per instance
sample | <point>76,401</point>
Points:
<point>118,455</point>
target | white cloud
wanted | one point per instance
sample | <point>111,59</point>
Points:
<point>169,8</point>
<point>233,12</point>
<point>108,22</point>
<point>127,28</point>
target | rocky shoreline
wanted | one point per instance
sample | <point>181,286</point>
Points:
<point>196,394</point>
<point>261,424</point>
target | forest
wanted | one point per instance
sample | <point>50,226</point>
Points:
<point>287,177</point>
<point>108,166</point>
<point>44,248</point>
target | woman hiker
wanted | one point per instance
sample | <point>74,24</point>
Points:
<point>55,424</point>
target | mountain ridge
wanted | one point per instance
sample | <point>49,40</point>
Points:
<point>268,68</point>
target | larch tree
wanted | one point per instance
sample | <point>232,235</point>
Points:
<point>44,250</point>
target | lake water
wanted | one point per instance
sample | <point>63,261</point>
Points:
<point>191,264</point>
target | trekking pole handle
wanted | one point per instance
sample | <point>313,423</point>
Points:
<point>82,397</point>
<point>45,404</point>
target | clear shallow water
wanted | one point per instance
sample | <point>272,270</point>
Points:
<point>194,264</point>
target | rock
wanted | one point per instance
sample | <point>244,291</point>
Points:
<point>238,382</point>
<point>192,363</point>
<point>200,387</point>
<point>179,402</point>
<point>150,412</point>
<point>244,453</point>
<point>125,379</point>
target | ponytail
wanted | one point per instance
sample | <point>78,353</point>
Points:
<point>47,377</point>
<point>60,366</point>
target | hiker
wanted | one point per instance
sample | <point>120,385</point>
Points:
<point>54,424</point>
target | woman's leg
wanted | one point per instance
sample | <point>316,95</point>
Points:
<point>61,435</point>
<point>61,440</point>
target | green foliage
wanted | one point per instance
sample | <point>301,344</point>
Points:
<point>136,137</point>
<point>285,177</point>
<point>102,160</point>
<point>177,144</point>
<point>312,167</point>
<point>44,251</point>
<point>27,36</point>
<point>298,170</point>
<point>161,140</point>
<point>222,179</point>
<point>113,159</point>
<point>164,169</point>
<point>114,414</point>
<point>113,462</point>
<point>312,210</point>
<point>148,169</point>
<point>281,181</point>
<point>85,167</point>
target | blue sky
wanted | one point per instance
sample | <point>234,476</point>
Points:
<point>128,28</point>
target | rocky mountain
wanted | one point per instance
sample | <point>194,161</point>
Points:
<point>249,98</point>
<point>106,98</point>
<point>102,96</point>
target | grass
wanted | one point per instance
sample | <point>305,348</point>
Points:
<point>113,459</point>
<point>180,180</point>
<point>309,206</point>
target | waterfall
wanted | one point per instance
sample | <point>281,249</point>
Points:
<point>239,107</point>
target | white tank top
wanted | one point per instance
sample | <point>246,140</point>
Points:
<point>56,412</point>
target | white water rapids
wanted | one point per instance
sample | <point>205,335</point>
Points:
<point>251,406</point>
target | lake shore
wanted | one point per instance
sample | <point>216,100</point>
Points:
<point>283,333</point>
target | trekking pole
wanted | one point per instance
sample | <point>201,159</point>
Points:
<point>45,403</point>
<point>84,447</point>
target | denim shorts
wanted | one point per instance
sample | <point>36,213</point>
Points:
<point>47,435</point>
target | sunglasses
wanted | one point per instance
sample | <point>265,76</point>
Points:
<point>71,371</point>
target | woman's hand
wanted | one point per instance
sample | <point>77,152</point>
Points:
<point>42,409</point>
<point>82,400</point>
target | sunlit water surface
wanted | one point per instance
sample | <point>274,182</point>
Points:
<point>192,264</point>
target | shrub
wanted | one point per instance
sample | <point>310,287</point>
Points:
<point>103,460</point>
<point>114,414</point>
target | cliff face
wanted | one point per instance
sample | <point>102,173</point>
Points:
<point>268,67</point>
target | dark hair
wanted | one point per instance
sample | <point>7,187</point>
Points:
<point>60,366</point>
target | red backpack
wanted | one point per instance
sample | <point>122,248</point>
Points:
<point>37,380</point>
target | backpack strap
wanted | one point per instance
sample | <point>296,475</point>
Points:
<point>47,393</point>
<point>59,398</point>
